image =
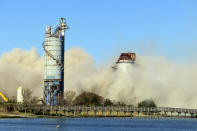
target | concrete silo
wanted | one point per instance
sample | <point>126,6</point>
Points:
<point>20,94</point>
<point>54,64</point>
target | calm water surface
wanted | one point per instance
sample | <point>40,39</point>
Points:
<point>97,124</point>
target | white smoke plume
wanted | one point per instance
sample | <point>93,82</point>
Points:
<point>169,84</point>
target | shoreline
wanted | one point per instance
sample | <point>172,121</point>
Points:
<point>40,111</point>
<point>30,115</point>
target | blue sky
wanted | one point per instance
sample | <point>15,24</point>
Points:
<point>104,28</point>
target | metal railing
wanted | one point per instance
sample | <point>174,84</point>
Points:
<point>109,109</point>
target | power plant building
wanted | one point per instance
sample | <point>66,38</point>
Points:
<point>54,64</point>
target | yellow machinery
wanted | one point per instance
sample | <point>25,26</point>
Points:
<point>3,97</point>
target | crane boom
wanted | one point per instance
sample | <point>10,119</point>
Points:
<point>3,97</point>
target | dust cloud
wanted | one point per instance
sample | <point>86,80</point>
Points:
<point>167,83</point>
<point>21,68</point>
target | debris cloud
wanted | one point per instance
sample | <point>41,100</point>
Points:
<point>151,77</point>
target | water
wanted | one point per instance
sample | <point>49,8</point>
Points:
<point>97,124</point>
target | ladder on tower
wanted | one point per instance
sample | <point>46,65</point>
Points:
<point>58,62</point>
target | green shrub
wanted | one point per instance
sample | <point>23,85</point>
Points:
<point>89,99</point>
<point>147,103</point>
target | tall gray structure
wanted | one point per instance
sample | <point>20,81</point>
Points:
<point>54,64</point>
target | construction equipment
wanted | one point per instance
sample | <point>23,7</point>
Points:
<point>3,97</point>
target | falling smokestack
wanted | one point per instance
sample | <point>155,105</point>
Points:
<point>127,58</point>
<point>125,61</point>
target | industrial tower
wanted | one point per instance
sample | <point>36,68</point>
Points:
<point>125,61</point>
<point>127,58</point>
<point>54,64</point>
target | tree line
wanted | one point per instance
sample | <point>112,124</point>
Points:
<point>92,99</point>
<point>85,98</point>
